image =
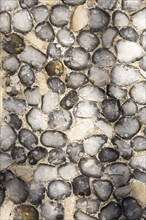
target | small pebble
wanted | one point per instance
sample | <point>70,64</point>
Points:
<point>5,25</point>
<point>141,115</point>
<point>64,174</point>
<point>18,154</point>
<point>111,211</point>
<point>54,67</point>
<point>103,57</point>
<point>93,143</point>
<point>60,119</point>
<point>119,173</point>
<point>116,92</point>
<point>86,109</point>
<point>138,161</point>
<point>103,189</point>
<point>34,57</point>
<point>56,157</point>
<point>108,154</point>
<point>2,195</point>
<point>18,21</point>
<point>73,2</point>
<point>17,190</point>
<point>122,192</point>
<point>56,85</point>
<point>44,31</point>
<point>58,189</point>
<point>37,154</point>
<point>54,139</point>
<point>75,80</point>
<point>89,205</point>
<point>138,19</point>
<point>127,127</point>
<point>54,51</point>
<point>129,108</point>
<point>124,46</point>
<point>25,212</point>
<point>14,121</point>
<point>8,137</point>
<point>76,58</point>
<point>142,63</point>
<point>52,210</point>
<point>129,33</point>
<point>107,4</point>
<point>111,109</point>
<point>106,127</point>
<point>98,76</point>
<point>8,5</point>
<point>50,101</point>
<point>45,173</point>
<point>131,209</point>
<point>26,75</point>
<point>90,167</point>
<point>27,138</point>
<point>65,37</point>
<point>130,5</point>
<point>5,161</point>
<point>13,43</point>
<point>108,36</point>
<point>143,40</point>
<point>75,151</point>
<point>11,64</point>
<point>32,95</point>
<point>81,186</point>
<point>98,20</point>
<point>120,19</point>
<point>139,143</point>
<point>123,75</point>
<point>28,3</point>
<point>36,119</point>
<point>60,15</point>
<point>40,13</point>
<point>11,104</point>
<point>138,92</point>
<point>139,175</point>
<point>78,215</point>
<point>69,100</point>
<point>36,193</point>
<point>91,93</point>
<point>79,18</point>
<point>87,40</point>
<point>123,147</point>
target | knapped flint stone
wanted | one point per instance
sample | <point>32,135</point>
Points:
<point>108,154</point>
<point>73,2</point>
<point>2,195</point>
<point>103,57</point>
<point>36,193</point>
<point>111,109</point>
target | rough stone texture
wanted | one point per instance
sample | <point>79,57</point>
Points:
<point>97,56</point>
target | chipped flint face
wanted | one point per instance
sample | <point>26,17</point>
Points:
<point>74,116</point>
